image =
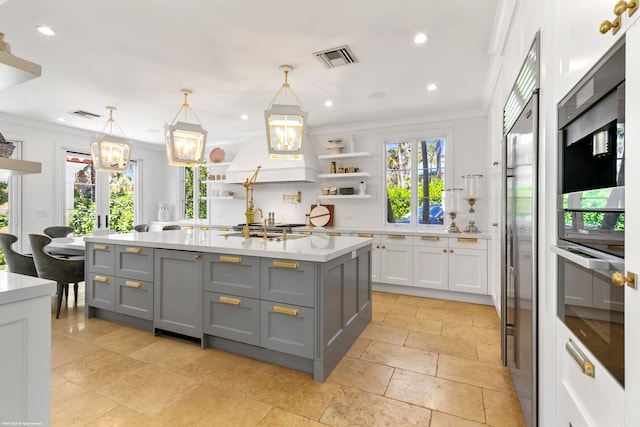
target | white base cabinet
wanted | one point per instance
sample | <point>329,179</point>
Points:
<point>396,259</point>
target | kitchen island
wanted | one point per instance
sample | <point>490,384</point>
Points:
<point>300,302</point>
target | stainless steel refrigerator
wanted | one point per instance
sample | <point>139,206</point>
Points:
<point>519,266</point>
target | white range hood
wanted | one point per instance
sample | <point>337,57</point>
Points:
<point>255,153</point>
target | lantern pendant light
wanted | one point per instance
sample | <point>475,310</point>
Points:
<point>285,123</point>
<point>185,141</point>
<point>109,152</point>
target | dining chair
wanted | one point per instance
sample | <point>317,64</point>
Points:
<point>17,262</point>
<point>171,227</point>
<point>58,231</point>
<point>62,271</point>
<point>141,227</point>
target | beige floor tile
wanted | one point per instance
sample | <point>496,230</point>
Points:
<point>490,354</point>
<point>91,329</point>
<point>461,400</point>
<point>407,358</point>
<point>65,349</point>
<point>475,373</point>
<point>362,375</point>
<point>377,317</point>
<point>486,320</point>
<point>438,419</point>
<point>126,340</point>
<point>57,380</point>
<point>97,369</point>
<point>440,344</point>
<point>422,302</point>
<point>385,334</point>
<point>358,348</point>
<point>72,405</point>
<point>351,407</point>
<point>377,296</point>
<point>445,316</point>
<point>413,324</point>
<point>503,409</point>
<point>207,405</point>
<point>124,417</point>
<point>390,307</point>
<point>278,418</point>
<point>469,307</point>
<point>478,335</point>
<point>149,389</point>
<point>169,353</point>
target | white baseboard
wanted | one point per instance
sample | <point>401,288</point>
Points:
<point>433,293</point>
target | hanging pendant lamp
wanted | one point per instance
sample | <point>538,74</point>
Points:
<point>185,141</point>
<point>285,122</point>
<point>109,152</point>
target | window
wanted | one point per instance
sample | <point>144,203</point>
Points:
<point>194,192</point>
<point>415,181</point>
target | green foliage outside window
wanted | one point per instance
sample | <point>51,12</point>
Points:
<point>188,192</point>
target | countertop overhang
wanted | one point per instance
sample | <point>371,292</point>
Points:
<point>315,248</point>
<point>17,287</point>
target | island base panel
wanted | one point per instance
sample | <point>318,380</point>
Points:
<point>122,319</point>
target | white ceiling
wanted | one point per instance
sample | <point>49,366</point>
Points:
<point>138,54</point>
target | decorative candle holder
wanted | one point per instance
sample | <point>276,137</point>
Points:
<point>452,204</point>
<point>471,184</point>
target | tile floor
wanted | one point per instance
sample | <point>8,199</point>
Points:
<point>421,362</point>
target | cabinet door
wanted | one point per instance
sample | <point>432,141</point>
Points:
<point>177,293</point>
<point>232,274</point>
<point>287,281</point>
<point>100,291</point>
<point>396,264</point>
<point>431,267</point>
<point>468,270</point>
<point>100,258</point>
<point>134,298</point>
<point>134,262</point>
<point>231,317</point>
<point>287,328</point>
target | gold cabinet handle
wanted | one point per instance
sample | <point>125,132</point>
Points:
<point>619,279</point>
<point>632,6</point>
<point>132,284</point>
<point>204,228</point>
<point>444,250</point>
<point>333,233</point>
<point>582,361</point>
<point>383,247</point>
<point>101,279</point>
<point>285,310</point>
<point>450,251</point>
<point>188,227</point>
<point>197,257</point>
<point>307,233</point>
<point>433,238</point>
<point>229,300</point>
<point>395,236</point>
<point>285,264</point>
<point>132,250</point>
<point>102,247</point>
<point>467,239</point>
<point>620,7</point>
<point>607,25</point>
<point>232,259</point>
<point>494,224</point>
<point>222,228</point>
<point>365,235</point>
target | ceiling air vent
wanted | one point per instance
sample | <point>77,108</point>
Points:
<point>84,114</point>
<point>336,56</point>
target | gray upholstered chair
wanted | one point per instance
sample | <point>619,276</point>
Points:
<point>63,271</point>
<point>58,231</point>
<point>171,227</point>
<point>17,262</point>
<point>142,228</point>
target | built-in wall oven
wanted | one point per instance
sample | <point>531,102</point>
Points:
<point>590,244</point>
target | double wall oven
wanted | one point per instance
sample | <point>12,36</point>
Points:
<point>590,245</point>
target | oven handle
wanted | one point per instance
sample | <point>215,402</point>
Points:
<point>583,261</point>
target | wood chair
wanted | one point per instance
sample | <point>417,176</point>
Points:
<point>17,262</point>
<point>62,271</point>
<point>58,231</point>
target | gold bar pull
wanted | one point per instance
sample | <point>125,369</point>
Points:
<point>285,310</point>
<point>395,236</point>
<point>467,239</point>
<point>585,364</point>
<point>204,228</point>
<point>101,279</point>
<point>132,284</point>
<point>365,235</point>
<point>131,250</point>
<point>285,264</point>
<point>229,300</point>
<point>433,238</point>
<point>227,258</point>
<point>188,227</point>
<point>306,233</point>
<point>102,247</point>
<point>223,228</point>
<point>333,233</point>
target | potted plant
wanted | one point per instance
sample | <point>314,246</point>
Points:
<point>6,147</point>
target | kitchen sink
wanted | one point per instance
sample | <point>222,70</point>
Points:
<point>270,236</point>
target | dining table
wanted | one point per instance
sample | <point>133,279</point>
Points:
<point>68,246</point>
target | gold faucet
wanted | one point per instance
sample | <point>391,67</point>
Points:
<point>249,203</point>
<point>264,229</point>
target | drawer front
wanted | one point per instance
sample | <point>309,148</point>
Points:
<point>134,297</point>
<point>287,328</point>
<point>431,241</point>
<point>396,239</point>
<point>134,262</point>
<point>100,258</point>
<point>467,243</point>
<point>232,317</point>
<point>232,274</point>
<point>100,290</point>
<point>286,281</point>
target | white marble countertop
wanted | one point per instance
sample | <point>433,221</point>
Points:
<point>409,231</point>
<point>17,287</point>
<point>296,247</point>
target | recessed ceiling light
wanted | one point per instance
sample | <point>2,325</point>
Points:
<point>47,31</point>
<point>244,117</point>
<point>60,119</point>
<point>328,103</point>
<point>420,38</point>
<point>432,87</point>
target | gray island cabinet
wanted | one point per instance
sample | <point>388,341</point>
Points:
<point>299,303</point>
